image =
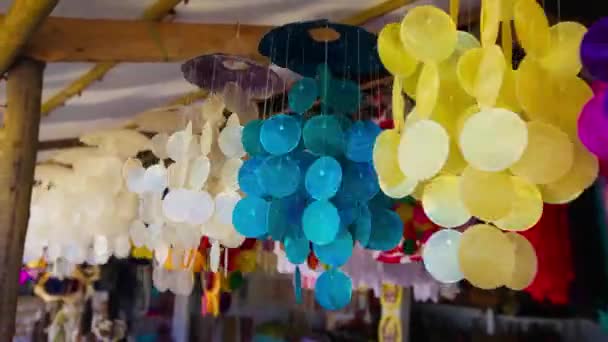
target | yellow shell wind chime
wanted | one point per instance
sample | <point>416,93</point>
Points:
<point>484,140</point>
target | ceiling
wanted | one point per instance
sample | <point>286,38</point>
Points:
<point>131,88</point>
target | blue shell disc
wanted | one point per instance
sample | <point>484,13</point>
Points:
<point>284,214</point>
<point>345,122</point>
<point>337,252</point>
<point>348,215</point>
<point>343,96</point>
<point>251,138</point>
<point>387,230</point>
<point>323,178</point>
<point>303,95</point>
<point>296,249</point>
<point>280,176</point>
<point>297,285</point>
<point>360,181</point>
<point>360,140</point>
<point>362,227</point>
<point>323,135</point>
<point>280,134</point>
<point>333,289</point>
<point>321,222</point>
<point>248,177</point>
<point>250,217</point>
<point>381,201</point>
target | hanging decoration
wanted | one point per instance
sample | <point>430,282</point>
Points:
<point>80,194</point>
<point>188,190</point>
<point>484,141</point>
<point>309,179</point>
<point>301,46</point>
<point>241,81</point>
<point>592,122</point>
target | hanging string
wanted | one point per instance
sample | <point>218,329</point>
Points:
<point>286,64</point>
<point>454,10</point>
<point>507,42</point>
<point>268,79</point>
<point>358,71</point>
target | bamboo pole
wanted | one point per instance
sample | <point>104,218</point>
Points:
<point>189,98</point>
<point>376,11</point>
<point>17,159</point>
<point>155,12</point>
<point>22,19</point>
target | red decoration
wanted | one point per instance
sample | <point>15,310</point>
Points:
<point>551,240</point>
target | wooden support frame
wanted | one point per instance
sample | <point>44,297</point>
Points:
<point>157,11</point>
<point>23,18</point>
<point>97,72</point>
<point>18,145</point>
<point>102,40</point>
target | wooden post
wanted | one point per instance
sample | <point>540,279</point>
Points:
<point>22,20</point>
<point>18,145</point>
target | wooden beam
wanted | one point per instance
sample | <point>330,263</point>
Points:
<point>161,8</point>
<point>155,12</point>
<point>359,18</point>
<point>99,40</point>
<point>17,158</point>
<point>23,17</point>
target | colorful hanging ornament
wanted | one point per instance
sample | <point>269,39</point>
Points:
<point>483,140</point>
<point>302,46</point>
<point>190,191</point>
<point>83,188</point>
<point>310,183</point>
<point>239,80</point>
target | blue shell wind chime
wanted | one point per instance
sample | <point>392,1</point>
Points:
<point>309,179</point>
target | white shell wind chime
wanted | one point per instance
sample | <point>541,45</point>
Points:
<point>80,209</point>
<point>189,193</point>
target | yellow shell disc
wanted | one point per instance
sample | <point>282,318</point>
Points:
<point>442,203</point>
<point>533,87</point>
<point>427,89</point>
<point>526,209</point>
<point>490,20</point>
<point>410,83</point>
<point>447,114</point>
<point>493,139</point>
<point>506,9</point>
<point>428,34</point>
<point>486,256</point>
<point>508,97</point>
<point>464,116</point>
<point>487,195</point>
<point>581,175</point>
<point>489,76</point>
<point>548,156</point>
<point>394,58</point>
<point>467,67</point>
<point>401,190</point>
<point>466,41</point>
<point>419,191</point>
<point>525,264</point>
<point>455,163</point>
<point>398,105</point>
<point>423,149</point>
<point>385,158</point>
<point>563,58</point>
<point>532,28</point>
<point>571,95</point>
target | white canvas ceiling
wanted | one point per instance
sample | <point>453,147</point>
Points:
<point>131,88</point>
